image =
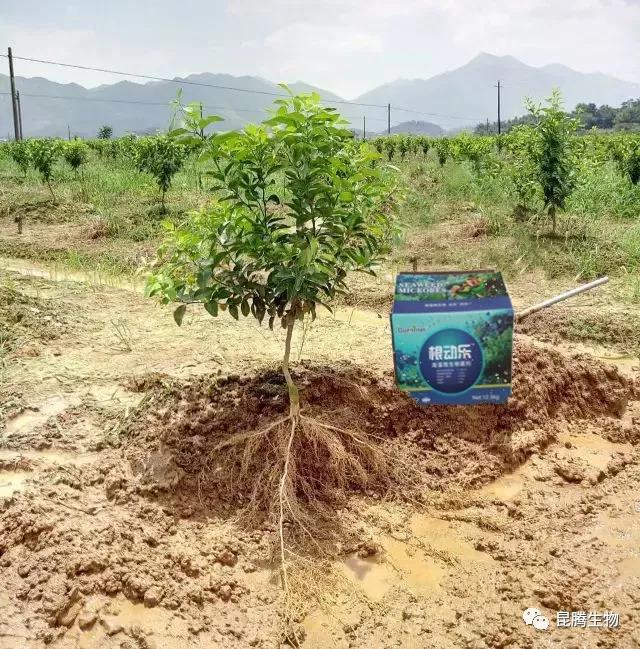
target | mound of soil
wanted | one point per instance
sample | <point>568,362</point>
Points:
<point>24,319</point>
<point>613,329</point>
<point>181,424</point>
<point>98,552</point>
<point>82,548</point>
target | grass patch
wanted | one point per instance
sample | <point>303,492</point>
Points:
<point>102,263</point>
<point>457,217</point>
<point>452,216</point>
<point>115,192</point>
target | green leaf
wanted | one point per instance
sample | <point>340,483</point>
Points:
<point>211,308</point>
<point>178,314</point>
<point>233,253</point>
<point>206,121</point>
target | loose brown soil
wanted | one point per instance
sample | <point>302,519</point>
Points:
<point>26,321</point>
<point>119,528</point>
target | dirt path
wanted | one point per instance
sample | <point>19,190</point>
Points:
<point>91,558</point>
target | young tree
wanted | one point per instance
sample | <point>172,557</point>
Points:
<point>257,252</point>
<point>625,152</point>
<point>425,144</point>
<point>105,132</point>
<point>44,154</point>
<point>277,253</point>
<point>378,143</point>
<point>193,130</point>
<point>442,145</point>
<point>20,154</point>
<point>632,162</point>
<point>162,157</point>
<point>520,166</point>
<point>553,153</point>
<point>389,147</point>
<point>76,154</point>
<point>403,146</point>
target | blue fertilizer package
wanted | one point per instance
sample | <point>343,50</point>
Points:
<point>453,337</point>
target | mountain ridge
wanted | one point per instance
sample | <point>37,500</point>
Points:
<point>451,99</point>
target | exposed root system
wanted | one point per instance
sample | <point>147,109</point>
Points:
<point>234,439</point>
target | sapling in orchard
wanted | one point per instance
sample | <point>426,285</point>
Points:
<point>403,146</point>
<point>517,145</point>
<point>389,147</point>
<point>44,154</point>
<point>256,253</point>
<point>553,152</point>
<point>76,154</point>
<point>105,132</point>
<point>442,145</point>
<point>20,154</point>
<point>630,159</point>
<point>193,131</point>
<point>425,144</point>
<point>162,157</point>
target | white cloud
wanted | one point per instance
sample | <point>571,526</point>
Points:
<point>347,46</point>
<point>418,38</point>
<point>307,40</point>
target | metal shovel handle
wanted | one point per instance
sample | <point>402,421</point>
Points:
<point>559,298</point>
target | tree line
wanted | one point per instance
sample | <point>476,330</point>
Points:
<point>604,117</point>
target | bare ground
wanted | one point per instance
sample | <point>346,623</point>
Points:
<point>108,539</point>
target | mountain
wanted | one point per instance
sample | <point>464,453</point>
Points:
<point>454,99</point>
<point>418,128</point>
<point>48,108</point>
<point>467,94</point>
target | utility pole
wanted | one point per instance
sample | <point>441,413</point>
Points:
<point>364,127</point>
<point>388,119</point>
<point>19,114</point>
<point>68,133</point>
<point>499,127</point>
<point>14,103</point>
<point>487,126</point>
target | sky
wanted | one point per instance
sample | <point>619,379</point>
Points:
<point>346,46</point>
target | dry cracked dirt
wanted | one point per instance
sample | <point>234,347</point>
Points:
<point>119,527</point>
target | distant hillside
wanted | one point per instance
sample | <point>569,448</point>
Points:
<point>138,108</point>
<point>417,128</point>
<point>466,95</point>
<point>454,99</point>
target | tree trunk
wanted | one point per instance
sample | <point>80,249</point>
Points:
<point>294,397</point>
<point>51,190</point>
<point>552,214</point>
<point>82,184</point>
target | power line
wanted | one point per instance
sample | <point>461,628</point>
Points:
<point>419,112</point>
<point>146,103</point>
<point>129,101</point>
<point>184,81</point>
<point>234,88</point>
